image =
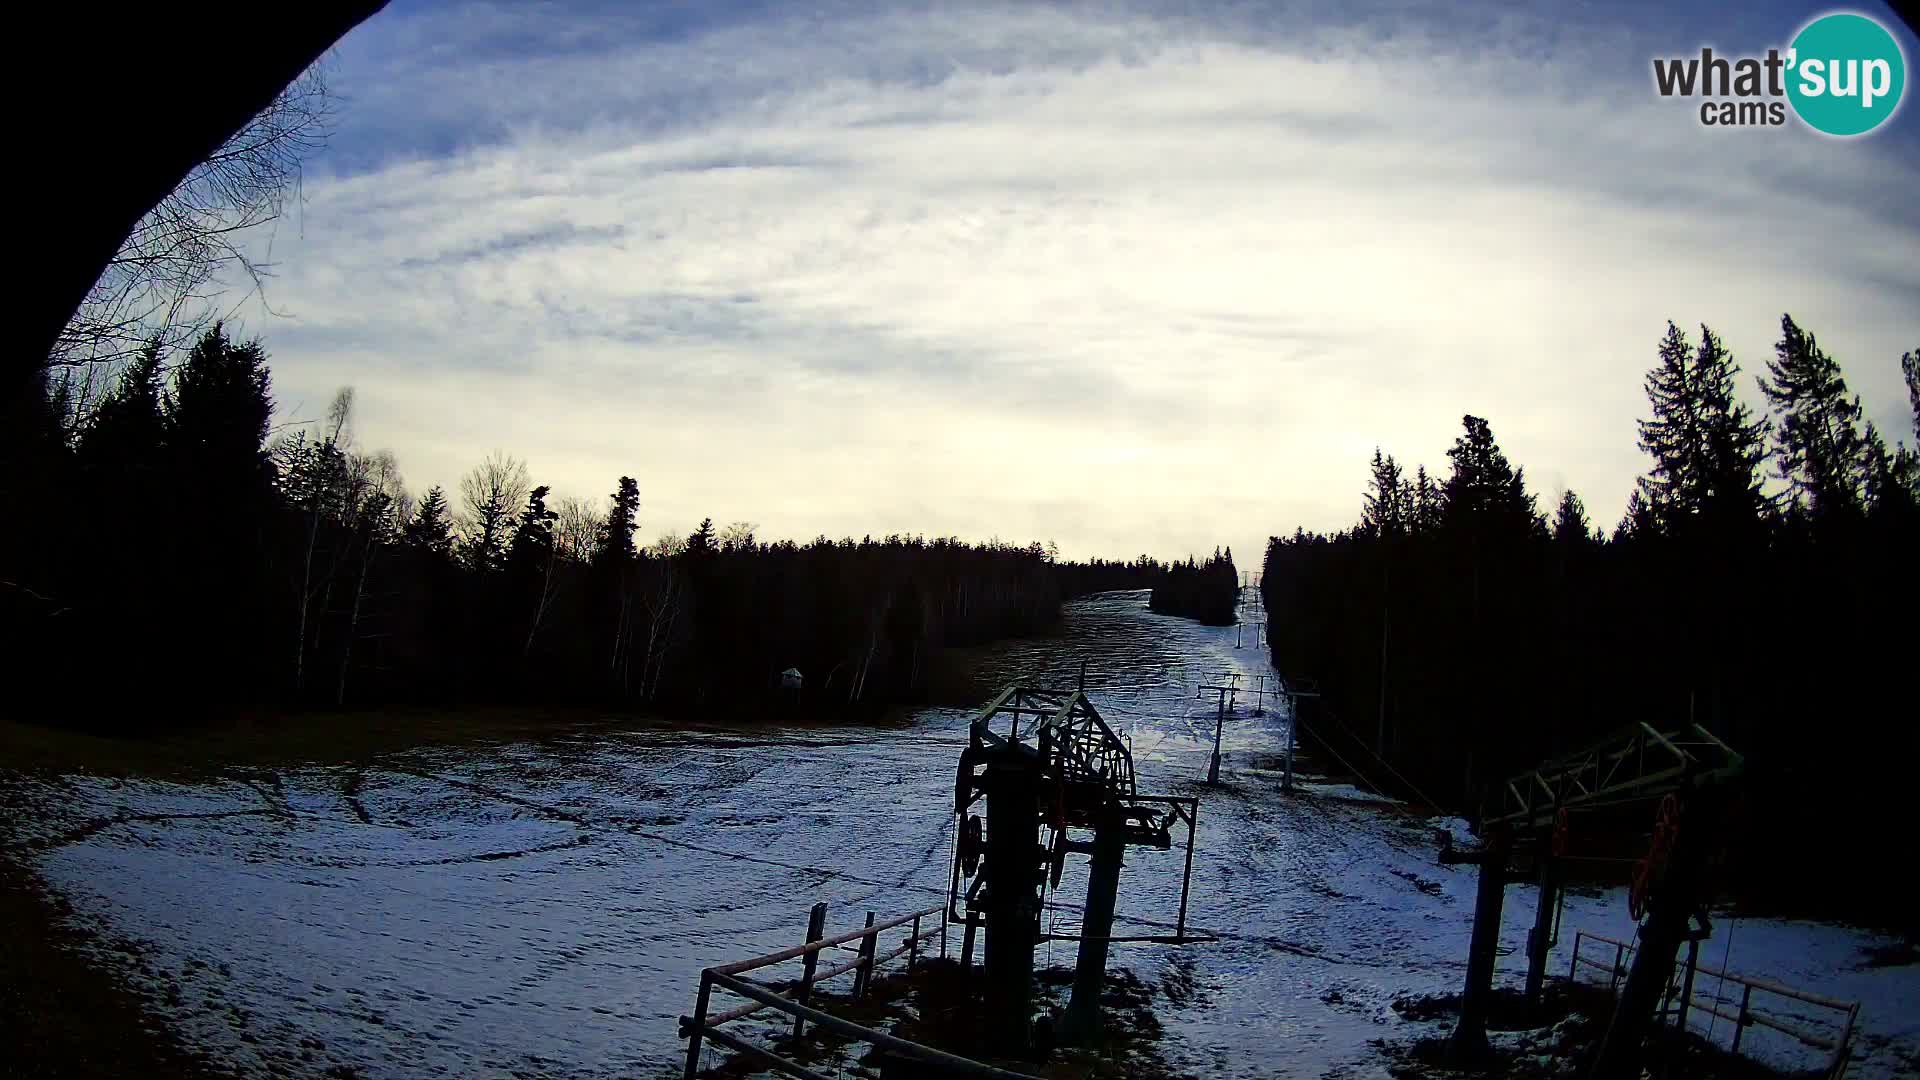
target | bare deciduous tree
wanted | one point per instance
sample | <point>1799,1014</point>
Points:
<point>166,281</point>
<point>378,503</point>
<point>576,532</point>
<point>490,496</point>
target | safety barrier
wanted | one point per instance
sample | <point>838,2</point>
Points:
<point>704,1025</point>
<point>1685,987</point>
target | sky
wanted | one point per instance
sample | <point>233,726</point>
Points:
<point>1133,278</point>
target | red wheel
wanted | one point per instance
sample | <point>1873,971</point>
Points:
<point>1637,892</point>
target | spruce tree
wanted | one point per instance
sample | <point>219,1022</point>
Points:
<point>1485,495</point>
<point>532,546</point>
<point>1733,449</point>
<point>1570,524</point>
<point>1707,448</point>
<point>1671,437</point>
<point>616,535</point>
<point>129,426</point>
<point>430,531</point>
<point>1386,513</point>
<point>1818,437</point>
<point>217,418</point>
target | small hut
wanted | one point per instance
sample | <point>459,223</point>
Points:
<point>791,679</point>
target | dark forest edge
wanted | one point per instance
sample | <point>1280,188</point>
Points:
<point>1208,592</point>
<point>180,557</point>
<point>1464,636</point>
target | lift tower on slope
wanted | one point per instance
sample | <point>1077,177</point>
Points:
<point>1527,823</point>
<point>1035,756</point>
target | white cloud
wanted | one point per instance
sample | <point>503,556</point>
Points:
<point>1123,283</point>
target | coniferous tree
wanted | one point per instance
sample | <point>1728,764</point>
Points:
<point>128,429</point>
<point>1386,512</point>
<point>1820,448</point>
<point>1706,446</point>
<point>1733,448</point>
<point>616,536</point>
<point>217,417</point>
<point>701,542</point>
<point>430,530</point>
<point>1570,524</point>
<point>1429,503</point>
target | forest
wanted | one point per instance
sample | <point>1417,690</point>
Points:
<point>1208,592</point>
<point>182,555</point>
<point>1760,581</point>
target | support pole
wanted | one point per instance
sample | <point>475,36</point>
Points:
<point>966,942</point>
<point>1669,907</point>
<point>816,929</point>
<point>863,974</point>
<point>699,1024</point>
<point>1540,939</point>
<point>1012,784</point>
<point>1686,987</point>
<point>1293,721</point>
<point>1469,1042</point>
<point>1082,1023</point>
<point>1186,876</point>
<point>1219,719</point>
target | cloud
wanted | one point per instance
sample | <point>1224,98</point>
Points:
<point>1135,282</point>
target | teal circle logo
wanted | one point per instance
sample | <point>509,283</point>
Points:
<point>1845,74</point>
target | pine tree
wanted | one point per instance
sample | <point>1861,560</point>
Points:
<point>430,531</point>
<point>1818,437</point>
<point>532,546</point>
<point>217,418</point>
<point>1428,502</point>
<point>701,541</point>
<point>1570,524</point>
<point>1638,522</point>
<point>129,426</point>
<point>1733,449</point>
<point>1672,437</point>
<point>1386,513</point>
<point>616,536</point>
<point>1910,371</point>
<point>1486,495</point>
<point>1707,448</point>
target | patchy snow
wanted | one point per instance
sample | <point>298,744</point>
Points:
<point>545,908</point>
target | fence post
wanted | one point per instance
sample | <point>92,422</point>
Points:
<point>1840,1050</point>
<point>863,974</point>
<point>913,944</point>
<point>1686,990</point>
<point>1573,968</point>
<point>1740,1026</point>
<point>699,1023</point>
<point>816,929</point>
<point>966,943</point>
<point>1619,953</point>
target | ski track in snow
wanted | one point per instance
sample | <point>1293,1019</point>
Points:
<point>545,908</point>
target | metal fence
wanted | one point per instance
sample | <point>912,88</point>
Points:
<point>792,998</point>
<point>1685,993</point>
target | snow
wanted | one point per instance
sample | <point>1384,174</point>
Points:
<point>545,908</point>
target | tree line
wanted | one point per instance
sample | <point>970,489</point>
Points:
<point>173,552</point>
<point>1205,591</point>
<point>1761,582</point>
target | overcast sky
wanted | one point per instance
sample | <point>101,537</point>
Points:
<point>1131,279</point>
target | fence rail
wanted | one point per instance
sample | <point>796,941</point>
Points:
<point>1687,974</point>
<point>792,998</point>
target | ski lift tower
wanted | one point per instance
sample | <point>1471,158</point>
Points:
<point>1036,755</point>
<point>1527,824</point>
